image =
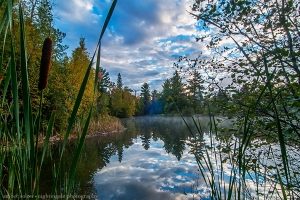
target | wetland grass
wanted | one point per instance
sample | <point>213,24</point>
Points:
<point>21,161</point>
<point>249,161</point>
<point>235,167</point>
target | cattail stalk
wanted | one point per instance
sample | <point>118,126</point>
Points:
<point>45,63</point>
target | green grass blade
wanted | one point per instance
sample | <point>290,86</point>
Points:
<point>11,179</point>
<point>15,94</point>
<point>282,148</point>
<point>232,174</point>
<point>281,183</point>
<point>7,80</point>
<point>48,134</point>
<point>77,104</point>
<point>110,12</point>
<point>278,124</point>
<point>73,118</point>
<point>97,69</point>
<point>198,126</point>
<point>25,86</point>
<point>84,82</point>
<point>78,149</point>
<point>9,13</point>
<point>3,48</point>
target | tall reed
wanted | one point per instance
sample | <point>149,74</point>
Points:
<point>239,166</point>
<point>21,162</point>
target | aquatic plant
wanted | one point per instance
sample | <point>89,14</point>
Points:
<point>21,162</point>
<point>45,63</point>
<point>234,166</point>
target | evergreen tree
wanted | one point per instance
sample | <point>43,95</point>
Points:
<point>166,95</point>
<point>119,82</point>
<point>196,89</point>
<point>145,97</point>
<point>154,95</point>
<point>103,80</point>
<point>173,94</point>
<point>146,140</point>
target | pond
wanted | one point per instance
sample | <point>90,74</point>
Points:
<point>154,159</point>
<point>151,159</point>
<point>155,163</point>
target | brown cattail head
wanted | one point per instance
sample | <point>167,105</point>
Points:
<point>45,63</point>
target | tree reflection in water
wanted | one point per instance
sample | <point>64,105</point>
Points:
<point>98,151</point>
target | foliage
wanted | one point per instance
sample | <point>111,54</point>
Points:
<point>139,107</point>
<point>22,117</point>
<point>122,102</point>
<point>173,94</point>
<point>145,97</point>
<point>75,74</point>
<point>262,60</point>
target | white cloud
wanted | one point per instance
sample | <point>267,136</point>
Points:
<point>76,11</point>
<point>139,31</point>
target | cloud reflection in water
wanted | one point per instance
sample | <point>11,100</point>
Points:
<point>148,174</point>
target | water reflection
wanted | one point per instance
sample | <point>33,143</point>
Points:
<point>156,166</point>
<point>150,160</point>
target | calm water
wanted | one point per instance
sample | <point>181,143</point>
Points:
<point>150,160</point>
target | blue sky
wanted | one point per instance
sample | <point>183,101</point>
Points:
<point>142,41</point>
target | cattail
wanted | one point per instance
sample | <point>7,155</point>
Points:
<point>45,63</point>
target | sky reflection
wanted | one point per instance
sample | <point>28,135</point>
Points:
<point>151,160</point>
<point>148,174</point>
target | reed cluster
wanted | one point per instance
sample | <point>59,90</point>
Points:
<point>242,166</point>
<point>21,160</point>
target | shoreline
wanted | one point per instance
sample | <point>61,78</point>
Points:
<point>57,138</point>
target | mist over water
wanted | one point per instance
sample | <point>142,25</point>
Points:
<point>151,159</point>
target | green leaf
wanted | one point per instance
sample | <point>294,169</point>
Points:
<point>7,80</point>
<point>97,69</point>
<point>110,12</point>
<point>78,149</point>
<point>25,87</point>
<point>296,104</point>
<point>48,134</point>
<point>14,83</point>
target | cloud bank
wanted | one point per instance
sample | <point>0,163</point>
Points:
<point>142,40</point>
